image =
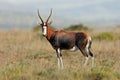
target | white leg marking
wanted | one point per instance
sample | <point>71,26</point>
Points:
<point>61,62</point>
<point>87,52</point>
<point>87,46</point>
<point>86,60</point>
<point>58,63</point>
<point>92,58</point>
<point>59,51</point>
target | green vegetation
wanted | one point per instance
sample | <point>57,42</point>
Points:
<point>14,72</point>
<point>104,36</point>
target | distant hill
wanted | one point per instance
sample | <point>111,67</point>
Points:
<point>77,27</point>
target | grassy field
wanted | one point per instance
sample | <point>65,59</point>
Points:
<point>26,55</point>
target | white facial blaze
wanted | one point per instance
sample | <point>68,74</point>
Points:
<point>44,30</point>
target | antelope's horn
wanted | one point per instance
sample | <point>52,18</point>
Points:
<point>49,15</point>
<point>40,16</point>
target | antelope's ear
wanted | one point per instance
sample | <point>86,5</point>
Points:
<point>50,22</point>
<point>38,23</point>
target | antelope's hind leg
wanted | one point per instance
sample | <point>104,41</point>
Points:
<point>85,49</point>
<point>92,58</point>
<point>89,53</point>
<point>82,49</point>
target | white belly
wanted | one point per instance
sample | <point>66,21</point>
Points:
<point>74,49</point>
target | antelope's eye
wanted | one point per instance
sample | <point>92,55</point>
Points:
<point>41,24</point>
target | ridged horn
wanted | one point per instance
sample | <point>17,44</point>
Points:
<point>49,15</point>
<point>40,16</point>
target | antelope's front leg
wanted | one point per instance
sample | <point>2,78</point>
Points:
<point>59,56</point>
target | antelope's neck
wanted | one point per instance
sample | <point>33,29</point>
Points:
<point>50,32</point>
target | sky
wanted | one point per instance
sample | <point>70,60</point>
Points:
<point>90,12</point>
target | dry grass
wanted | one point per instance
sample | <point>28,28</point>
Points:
<point>25,55</point>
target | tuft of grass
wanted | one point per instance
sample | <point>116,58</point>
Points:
<point>117,75</point>
<point>14,72</point>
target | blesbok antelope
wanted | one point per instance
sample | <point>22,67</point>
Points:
<point>62,40</point>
